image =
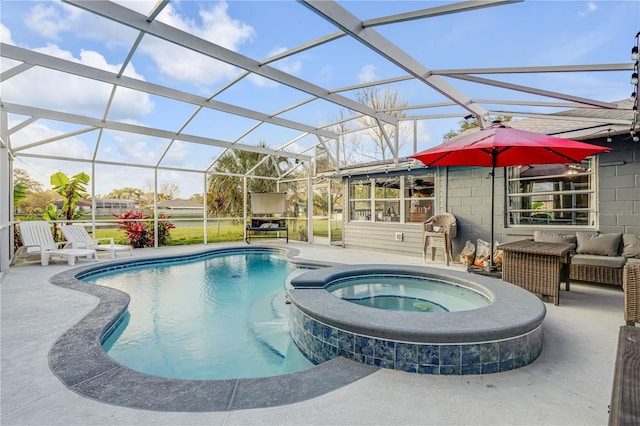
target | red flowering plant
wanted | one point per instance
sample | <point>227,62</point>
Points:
<point>140,234</point>
<point>164,229</point>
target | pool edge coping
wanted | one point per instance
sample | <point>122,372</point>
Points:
<point>513,311</point>
<point>79,362</point>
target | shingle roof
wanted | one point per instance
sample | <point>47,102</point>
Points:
<point>179,204</point>
<point>604,119</point>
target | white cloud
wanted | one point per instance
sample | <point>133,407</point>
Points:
<point>180,64</point>
<point>5,35</point>
<point>65,92</point>
<point>367,74</point>
<point>135,149</point>
<point>288,64</point>
<point>50,19</point>
<point>589,8</point>
<point>39,131</point>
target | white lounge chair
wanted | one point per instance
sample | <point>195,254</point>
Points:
<point>78,237</point>
<point>38,241</point>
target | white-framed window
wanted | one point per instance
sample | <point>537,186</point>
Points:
<point>392,198</point>
<point>387,199</point>
<point>552,194</point>
<point>360,199</point>
<point>419,197</point>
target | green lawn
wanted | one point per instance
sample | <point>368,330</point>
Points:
<point>184,235</point>
<point>225,232</point>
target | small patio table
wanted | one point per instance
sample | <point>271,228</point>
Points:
<point>536,266</point>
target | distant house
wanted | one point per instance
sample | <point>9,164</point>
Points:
<point>180,207</point>
<point>104,207</point>
<point>84,205</point>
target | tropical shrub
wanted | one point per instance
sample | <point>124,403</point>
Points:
<point>72,190</point>
<point>140,234</point>
<point>164,229</point>
<point>50,214</point>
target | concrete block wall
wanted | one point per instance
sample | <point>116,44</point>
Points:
<point>619,188</point>
<point>469,199</point>
<point>466,193</point>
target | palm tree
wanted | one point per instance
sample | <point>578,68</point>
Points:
<point>226,192</point>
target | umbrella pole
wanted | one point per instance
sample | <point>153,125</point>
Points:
<point>490,268</point>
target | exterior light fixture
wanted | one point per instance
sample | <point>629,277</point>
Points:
<point>634,95</point>
<point>609,136</point>
<point>634,137</point>
<point>634,53</point>
<point>634,78</point>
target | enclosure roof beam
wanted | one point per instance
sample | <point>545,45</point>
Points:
<point>132,128</point>
<point>47,61</point>
<point>436,11</point>
<point>562,117</point>
<point>535,91</point>
<point>173,35</point>
<point>343,19</point>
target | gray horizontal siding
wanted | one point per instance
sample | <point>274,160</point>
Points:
<point>381,237</point>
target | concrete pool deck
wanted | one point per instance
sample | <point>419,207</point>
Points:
<point>570,383</point>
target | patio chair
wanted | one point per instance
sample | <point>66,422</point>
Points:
<point>437,232</point>
<point>38,241</point>
<point>78,237</point>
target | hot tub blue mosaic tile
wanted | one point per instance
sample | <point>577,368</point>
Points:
<point>321,342</point>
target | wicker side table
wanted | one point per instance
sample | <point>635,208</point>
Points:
<point>536,266</point>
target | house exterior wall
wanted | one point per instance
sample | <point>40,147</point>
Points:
<point>466,193</point>
<point>469,200</point>
<point>619,188</point>
<point>380,236</point>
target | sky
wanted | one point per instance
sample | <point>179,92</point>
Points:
<point>531,33</point>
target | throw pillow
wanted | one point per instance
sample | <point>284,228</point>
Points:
<point>552,237</point>
<point>631,245</point>
<point>598,244</point>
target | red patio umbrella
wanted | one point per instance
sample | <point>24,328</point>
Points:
<point>503,146</point>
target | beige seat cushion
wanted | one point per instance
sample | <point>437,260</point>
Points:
<point>598,244</point>
<point>599,261</point>
<point>553,237</point>
<point>631,245</point>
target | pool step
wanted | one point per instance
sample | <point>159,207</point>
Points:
<point>268,322</point>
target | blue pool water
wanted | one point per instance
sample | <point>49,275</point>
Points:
<point>407,293</point>
<point>217,317</point>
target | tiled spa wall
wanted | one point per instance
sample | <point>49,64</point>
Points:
<point>321,342</point>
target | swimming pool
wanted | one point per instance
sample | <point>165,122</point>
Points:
<point>79,361</point>
<point>216,317</point>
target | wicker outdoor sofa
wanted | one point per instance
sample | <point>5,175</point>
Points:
<point>598,258</point>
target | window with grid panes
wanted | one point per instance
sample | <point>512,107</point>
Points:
<point>552,194</point>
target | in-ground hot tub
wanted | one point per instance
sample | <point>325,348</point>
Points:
<point>407,293</point>
<point>503,335</point>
